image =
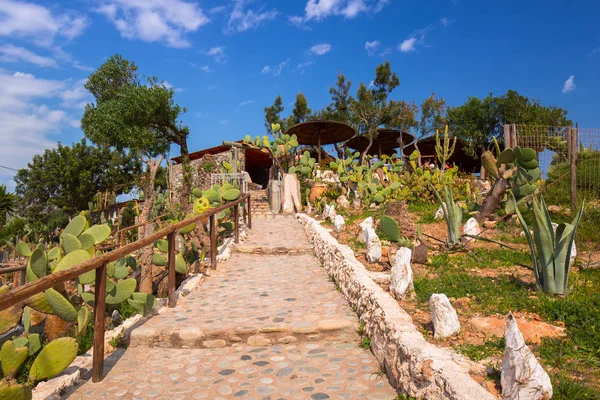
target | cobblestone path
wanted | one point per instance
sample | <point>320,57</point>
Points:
<point>268,324</point>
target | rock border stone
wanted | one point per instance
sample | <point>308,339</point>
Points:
<point>412,365</point>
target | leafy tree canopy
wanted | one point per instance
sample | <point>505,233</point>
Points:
<point>477,121</point>
<point>67,178</point>
<point>8,204</point>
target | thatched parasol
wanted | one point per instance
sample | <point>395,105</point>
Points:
<point>321,132</point>
<point>386,142</point>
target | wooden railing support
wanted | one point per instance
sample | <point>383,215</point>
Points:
<point>99,311</point>
<point>171,264</point>
<point>236,224</point>
<point>213,241</point>
<point>249,214</point>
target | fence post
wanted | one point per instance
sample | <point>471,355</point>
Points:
<point>99,311</point>
<point>236,223</point>
<point>213,241</point>
<point>171,266</point>
<point>22,276</point>
<point>507,137</point>
<point>573,148</point>
<point>249,213</point>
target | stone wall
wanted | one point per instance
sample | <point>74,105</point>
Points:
<point>200,176</point>
<point>413,365</point>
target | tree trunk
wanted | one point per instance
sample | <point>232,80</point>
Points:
<point>364,154</point>
<point>492,200</point>
<point>419,161</point>
<point>186,167</point>
<point>147,186</point>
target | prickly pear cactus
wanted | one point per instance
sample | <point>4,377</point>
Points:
<point>53,359</point>
<point>390,228</point>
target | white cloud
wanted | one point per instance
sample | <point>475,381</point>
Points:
<point>353,8</point>
<point>569,85</point>
<point>10,53</point>
<point>224,122</point>
<point>27,122</point>
<point>445,21</point>
<point>320,9</point>
<point>247,102</point>
<point>217,10</point>
<point>416,39</point>
<point>217,52</point>
<point>320,49</point>
<point>371,47</point>
<point>77,96</point>
<point>408,45</point>
<point>168,85</point>
<point>241,20</point>
<point>37,23</point>
<point>277,69</point>
<point>166,21</point>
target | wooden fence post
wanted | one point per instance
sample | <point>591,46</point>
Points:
<point>249,213</point>
<point>236,224</point>
<point>213,241</point>
<point>507,137</point>
<point>99,314</point>
<point>171,266</point>
<point>573,148</point>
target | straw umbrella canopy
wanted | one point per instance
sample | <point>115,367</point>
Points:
<point>318,133</point>
<point>386,142</point>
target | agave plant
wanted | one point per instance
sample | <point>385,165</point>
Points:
<point>550,250</point>
<point>452,214</point>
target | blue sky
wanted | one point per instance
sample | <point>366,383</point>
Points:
<point>227,60</point>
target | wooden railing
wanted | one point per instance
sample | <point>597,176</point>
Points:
<point>21,293</point>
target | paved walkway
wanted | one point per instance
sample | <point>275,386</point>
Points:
<point>268,324</point>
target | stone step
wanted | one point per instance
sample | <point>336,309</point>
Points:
<point>338,330</point>
<point>258,249</point>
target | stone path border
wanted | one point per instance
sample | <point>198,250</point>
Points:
<point>413,365</point>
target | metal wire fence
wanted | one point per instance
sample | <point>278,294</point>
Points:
<point>569,157</point>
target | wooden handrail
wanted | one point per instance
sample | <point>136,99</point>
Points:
<point>21,293</point>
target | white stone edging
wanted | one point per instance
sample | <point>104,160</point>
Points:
<point>413,365</point>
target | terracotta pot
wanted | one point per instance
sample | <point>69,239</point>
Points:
<point>315,192</point>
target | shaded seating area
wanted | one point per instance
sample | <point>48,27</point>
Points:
<point>320,133</point>
<point>387,142</point>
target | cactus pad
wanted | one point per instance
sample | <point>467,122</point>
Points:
<point>23,249</point>
<point>390,228</point>
<point>159,260</point>
<point>180,265</point>
<point>9,318</point>
<point>70,243</point>
<point>162,245</point>
<point>53,359</point>
<point>121,292</point>
<point>87,241</point>
<point>76,226</point>
<point>39,303</point>
<point>14,391</point>
<point>188,228</point>
<point>197,192</point>
<point>71,259</point>
<point>61,306</point>
<point>121,272</point>
<point>231,194</point>
<point>142,302</point>
<point>38,262</point>
<point>12,358</point>
<point>54,253</point>
<point>83,318</point>
<point>99,232</point>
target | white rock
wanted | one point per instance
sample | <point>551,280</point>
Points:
<point>343,202</point>
<point>573,249</point>
<point>363,227</point>
<point>471,228</point>
<point>439,214</point>
<point>291,194</point>
<point>522,376</point>
<point>444,317</point>
<point>309,209</point>
<point>373,246</point>
<point>356,204</point>
<point>329,212</point>
<point>402,275</point>
<point>338,223</point>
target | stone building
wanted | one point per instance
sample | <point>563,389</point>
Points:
<point>255,163</point>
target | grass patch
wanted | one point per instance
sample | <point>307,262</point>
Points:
<point>85,341</point>
<point>356,244</point>
<point>365,343</point>
<point>492,347</point>
<point>576,356</point>
<point>426,211</point>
